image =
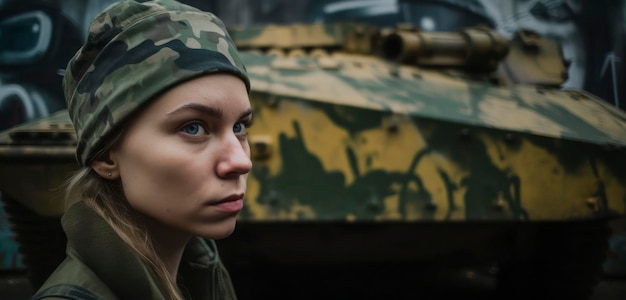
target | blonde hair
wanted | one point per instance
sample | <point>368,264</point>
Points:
<point>106,197</point>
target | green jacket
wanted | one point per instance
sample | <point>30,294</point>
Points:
<point>99,265</point>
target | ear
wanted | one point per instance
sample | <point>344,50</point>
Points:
<point>106,167</point>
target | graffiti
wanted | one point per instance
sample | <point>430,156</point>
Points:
<point>10,258</point>
<point>612,59</point>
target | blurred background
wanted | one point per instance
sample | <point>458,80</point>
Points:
<point>38,37</point>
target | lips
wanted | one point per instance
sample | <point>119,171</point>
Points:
<point>232,203</point>
<point>230,198</point>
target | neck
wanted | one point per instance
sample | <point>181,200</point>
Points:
<point>168,243</point>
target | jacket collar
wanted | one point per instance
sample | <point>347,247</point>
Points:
<point>94,242</point>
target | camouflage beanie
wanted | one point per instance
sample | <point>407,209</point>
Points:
<point>136,50</point>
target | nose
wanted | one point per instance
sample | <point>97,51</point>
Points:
<point>234,159</point>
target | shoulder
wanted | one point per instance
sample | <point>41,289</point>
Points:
<point>73,280</point>
<point>65,291</point>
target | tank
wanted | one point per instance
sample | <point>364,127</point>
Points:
<point>387,157</point>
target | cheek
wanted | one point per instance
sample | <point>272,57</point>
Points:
<point>159,173</point>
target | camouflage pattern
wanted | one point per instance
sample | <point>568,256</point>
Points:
<point>134,51</point>
<point>386,142</point>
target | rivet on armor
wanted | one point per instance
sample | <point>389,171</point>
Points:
<point>260,146</point>
<point>374,204</point>
<point>272,102</point>
<point>511,139</point>
<point>592,202</point>
<point>465,132</point>
<point>275,52</point>
<point>394,124</point>
<point>499,204</point>
<point>431,205</point>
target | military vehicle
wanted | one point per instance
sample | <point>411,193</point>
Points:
<point>386,157</point>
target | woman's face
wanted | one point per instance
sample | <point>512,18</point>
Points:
<point>184,161</point>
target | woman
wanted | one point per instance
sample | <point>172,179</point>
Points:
<point>159,100</point>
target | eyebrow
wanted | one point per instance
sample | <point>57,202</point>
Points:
<point>211,111</point>
<point>245,113</point>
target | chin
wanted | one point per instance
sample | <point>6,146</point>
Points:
<point>218,231</point>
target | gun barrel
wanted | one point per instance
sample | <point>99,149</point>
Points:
<point>472,47</point>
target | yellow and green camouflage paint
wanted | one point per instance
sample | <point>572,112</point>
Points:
<point>345,135</point>
<point>342,134</point>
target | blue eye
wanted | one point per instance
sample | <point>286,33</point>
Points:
<point>194,128</point>
<point>239,128</point>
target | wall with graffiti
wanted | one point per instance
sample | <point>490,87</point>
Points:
<point>10,259</point>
